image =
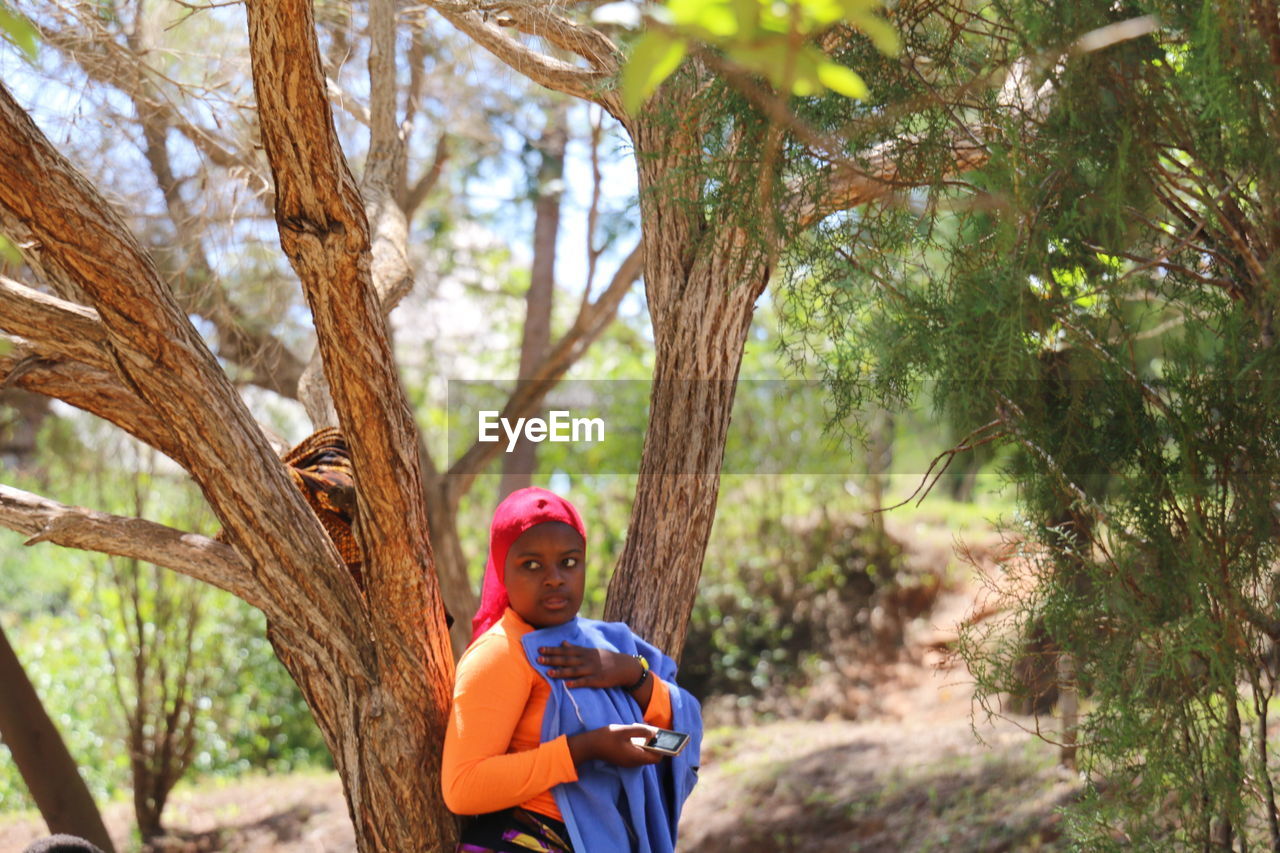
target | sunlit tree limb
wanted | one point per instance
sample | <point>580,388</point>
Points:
<point>60,326</point>
<point>45,520</point>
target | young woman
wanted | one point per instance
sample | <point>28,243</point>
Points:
<point>546,706</point>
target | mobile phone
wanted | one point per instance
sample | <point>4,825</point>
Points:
<point>665,741</point>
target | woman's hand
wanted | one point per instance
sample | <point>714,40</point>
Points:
<point>585,667</point>
<point>613,744</point>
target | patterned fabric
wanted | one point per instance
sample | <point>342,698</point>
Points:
<point>514,831</point>
<point>321,469</point>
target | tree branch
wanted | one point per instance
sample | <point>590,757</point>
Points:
<point>587,327</point>
<point>92,389</point>
<point>58,326</point>
<point>193,555</point>
<point>268,363</point>
<point>159,355</point>
<point>383,184</point>
<point>414,196</point>
<point>324,232</point>
<point>107,61</point>
<point>875,174</point>
<point>555,74</point>
<point>587,42</point>
<point>384,176</point>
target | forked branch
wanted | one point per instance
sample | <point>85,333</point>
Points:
<point>158,354</point>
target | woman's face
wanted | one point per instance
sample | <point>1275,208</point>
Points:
<point>545,574</point>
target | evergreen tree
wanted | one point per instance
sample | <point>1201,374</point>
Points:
<point>1101,296</point>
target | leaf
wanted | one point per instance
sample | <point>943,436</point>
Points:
<point>767,56</point>
<point>718,20</point>
<point>709,18</point>
<point>844,80</point>
<point>9,253</point>
<point>881,33</point>
<point>748,14</point>
<point>805,80</point>
<point>655,57</point>
<point>820,13</point>
<point>18,30</point>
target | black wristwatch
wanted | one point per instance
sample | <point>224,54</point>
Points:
<point>644,676</point>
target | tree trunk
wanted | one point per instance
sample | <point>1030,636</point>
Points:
<point>19,433</point>
<point>518,465</point>
<point>1069,703</point>
<point>702,289</point>
<point>695,377</point>
<point>42,757</point>
<point>385,727</point>
<point>373,664</point>
<point>879,461</point>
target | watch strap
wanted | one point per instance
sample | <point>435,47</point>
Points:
<point>644,675</point>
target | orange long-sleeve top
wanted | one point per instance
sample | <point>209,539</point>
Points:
<point>494,757</point>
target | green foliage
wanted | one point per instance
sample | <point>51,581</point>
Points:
<point>771,39</point>
<point>9,253</point>
<point>775,595</point>
<point>1089,292</point>
<point>18,31</point>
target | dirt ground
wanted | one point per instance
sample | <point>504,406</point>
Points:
<point>912,776</point>
<point>908,775</point>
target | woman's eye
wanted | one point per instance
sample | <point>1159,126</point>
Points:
<point>532,565</point>
<point>570,562</point>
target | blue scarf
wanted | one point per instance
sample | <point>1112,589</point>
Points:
<point>612,808</point>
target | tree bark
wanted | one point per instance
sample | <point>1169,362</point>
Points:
<point>387,734</point>
<point>94,390</point>
<point>42,757</point>
<point>375,676</point>
<point>702,282</point>
<point>699,351</point>
<point>196,556</point>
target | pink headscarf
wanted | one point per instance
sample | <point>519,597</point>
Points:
<point>520,510</point>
